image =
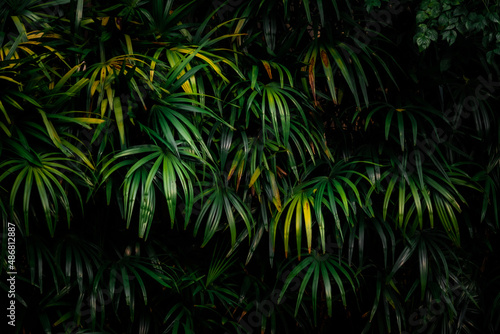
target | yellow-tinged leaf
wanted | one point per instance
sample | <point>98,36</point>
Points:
<point>79,153</point>
<point>2,108</point>
<point>110,93</point>
<point>143,75</point>
<point>214,66</point>
<point>103,74</point>
<point>276,193</point>
<point>104,21</point>
<point>89,120</point>
<point>25,49</point>
<point>288,221</point>
<point>35,35</point>
<point>240,24</point>
<point>187,86</point>
<point>94,87</point>
<point>10,79</point>
<point>328,153</point>
<point>391,283</point>
<point>66,77</point>
<point>129,44</point>
<point>46,46</point>
<point>235,163</point>
<point>307,219</point>
<point>5,129</point>
<point>13,103</point>
<point>33,43</point>
<point>298,225</point>
<point>118,23</point>
<point>20,27</point>
<point>254,177</point>
<point>86,22</point>
<point>50,129</point>
<point>119,119</point>
<point>268,68</point>
<point>104,105</point>
<point>153,64</point>
<point>400,110</point>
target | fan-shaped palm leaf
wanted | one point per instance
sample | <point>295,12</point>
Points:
<point>48,174</point>
<point>324,269</point>
<point>160,166</point>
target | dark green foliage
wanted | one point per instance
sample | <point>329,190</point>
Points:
<point>251,166</point>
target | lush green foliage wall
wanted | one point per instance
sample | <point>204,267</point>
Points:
<point>260,166</point>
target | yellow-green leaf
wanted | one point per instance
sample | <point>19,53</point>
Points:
<point>254,177</point>
<point>119,119</point>
<point>307,219</point>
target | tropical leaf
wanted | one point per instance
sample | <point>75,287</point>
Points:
<point>325,269</point>
<point>161,167</point>
<point>47,173</point>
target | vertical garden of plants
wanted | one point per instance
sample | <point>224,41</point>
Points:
<point>276,166</point>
